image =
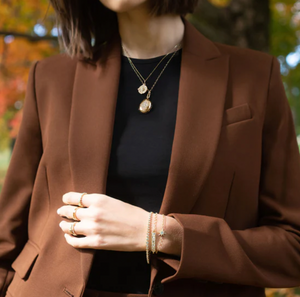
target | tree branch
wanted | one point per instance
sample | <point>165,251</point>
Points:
<point>31,38</point>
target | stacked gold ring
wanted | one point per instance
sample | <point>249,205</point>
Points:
<point>80,200</point>
<point>74,214</point>
<point>72,229</point>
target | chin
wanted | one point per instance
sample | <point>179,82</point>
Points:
<point>120,6</point>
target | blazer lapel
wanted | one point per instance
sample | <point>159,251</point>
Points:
<point>201,102</point>
<point>202,92</point>
<point>91,129</point>
<point>201,99</point>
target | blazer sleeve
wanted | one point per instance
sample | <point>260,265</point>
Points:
<point>18,184</point>
<point>269,254</point>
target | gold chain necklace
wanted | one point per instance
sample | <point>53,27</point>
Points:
<point>143,88</point>
<point>146,104</point>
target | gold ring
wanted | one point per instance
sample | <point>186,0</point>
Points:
<point>72,229</point>
<point>80,200</point>
<point>75,218</point>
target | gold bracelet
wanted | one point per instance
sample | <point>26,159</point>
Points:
<point>162,232</point>
<point>147,237</point>
<point>154,235</point>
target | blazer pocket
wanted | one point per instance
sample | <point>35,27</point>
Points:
<point>24,262</point>
<point>237,114</point>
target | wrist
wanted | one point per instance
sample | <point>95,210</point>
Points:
<point>172,240</point>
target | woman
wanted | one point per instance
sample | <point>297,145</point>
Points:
<point>98,154</point>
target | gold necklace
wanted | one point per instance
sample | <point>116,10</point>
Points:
<point>146,104</point>
<point>143,88</point>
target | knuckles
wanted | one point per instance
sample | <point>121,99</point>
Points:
<point>96,214</point>
<point>94,228</point>
<point>98,240</point>
<point>98,199</point>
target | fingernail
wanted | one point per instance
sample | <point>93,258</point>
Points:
<point>58,211</point>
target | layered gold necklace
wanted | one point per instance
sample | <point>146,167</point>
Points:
<point>146,104</point>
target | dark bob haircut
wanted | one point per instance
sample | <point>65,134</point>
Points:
<point>87,26</point>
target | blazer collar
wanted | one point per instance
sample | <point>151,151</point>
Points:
<point>202,92</point>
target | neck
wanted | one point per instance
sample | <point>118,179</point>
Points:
<point>145,36</point>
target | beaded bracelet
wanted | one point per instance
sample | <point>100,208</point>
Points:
<point>147,237</point>
<point>161,234</point>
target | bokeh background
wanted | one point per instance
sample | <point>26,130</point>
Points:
<point>28,32</point>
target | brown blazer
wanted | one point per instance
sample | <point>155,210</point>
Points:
<point>233,183</point>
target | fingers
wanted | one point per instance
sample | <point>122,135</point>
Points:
<point>73,212</point>
<point>73,198</point>
<point>84,242</point>
<point>79,228</point>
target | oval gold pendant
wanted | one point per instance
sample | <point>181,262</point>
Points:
<point>143,89</point>
<point>145,106</point>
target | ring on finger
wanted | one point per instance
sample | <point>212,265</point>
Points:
<point>75,218</point>
<point>72,229</point>
<point>80,200</point>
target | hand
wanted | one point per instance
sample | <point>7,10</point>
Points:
<point>105,223</point>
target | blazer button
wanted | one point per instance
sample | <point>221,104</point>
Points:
<point>158,289</point>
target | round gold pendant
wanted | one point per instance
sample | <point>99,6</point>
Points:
<point>143,89</point>
<point>145,106</point>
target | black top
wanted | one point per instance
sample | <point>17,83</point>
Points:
<point>139,163</point>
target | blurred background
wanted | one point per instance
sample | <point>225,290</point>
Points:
<point>28,33</point>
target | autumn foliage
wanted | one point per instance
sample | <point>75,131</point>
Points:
<point>19,47</point>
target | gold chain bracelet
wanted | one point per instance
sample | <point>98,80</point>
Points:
<point>161,233</point>
<point>153,233</point>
